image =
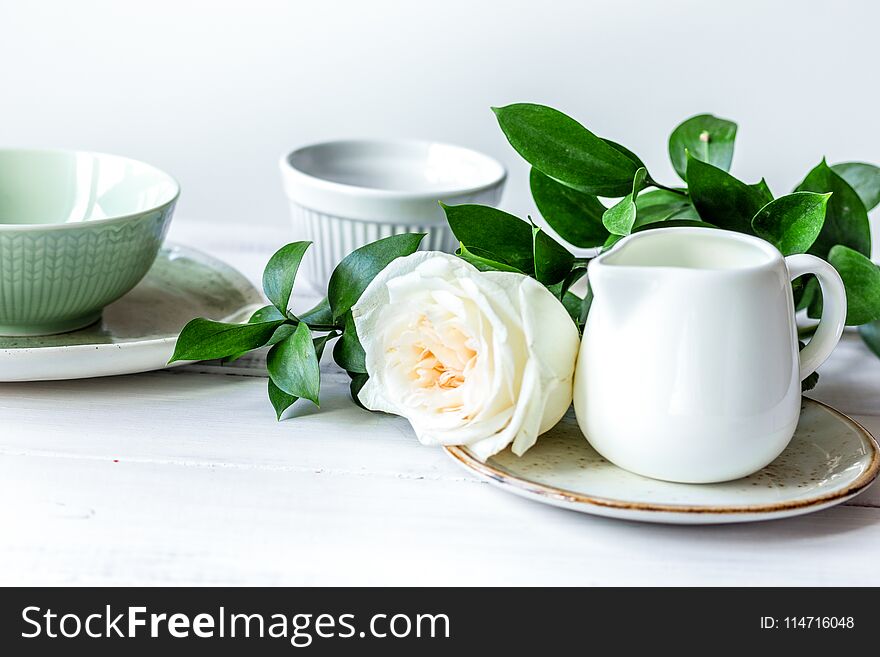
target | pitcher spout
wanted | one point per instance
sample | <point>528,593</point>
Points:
<point>622,292</point>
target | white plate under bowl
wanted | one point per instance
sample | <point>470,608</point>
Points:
<point>138,332</point>
<point>830,460</point>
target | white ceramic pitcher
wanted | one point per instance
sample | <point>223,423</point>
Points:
<point>689,369</point>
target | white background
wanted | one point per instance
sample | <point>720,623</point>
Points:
<point>215,91</point>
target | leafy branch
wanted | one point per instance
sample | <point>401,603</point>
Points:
<point>571,168</point>
<point>293,361</point>
<point>826,215</point>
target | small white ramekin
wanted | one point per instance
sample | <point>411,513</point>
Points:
<point>345,194</point>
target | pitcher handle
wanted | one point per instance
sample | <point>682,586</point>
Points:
<point>833,317</point>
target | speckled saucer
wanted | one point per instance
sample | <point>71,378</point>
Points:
<point>138,332</point>
<point>830,459</point>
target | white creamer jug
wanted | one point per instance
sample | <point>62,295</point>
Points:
<point>689,368</point>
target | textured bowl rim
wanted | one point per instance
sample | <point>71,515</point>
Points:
<point>396,195</point>
<point>14,228</point>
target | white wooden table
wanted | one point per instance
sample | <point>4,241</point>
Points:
<point>184,477</point>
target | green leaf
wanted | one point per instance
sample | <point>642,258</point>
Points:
<point>572,304</point>
<point>484,260</point>
<point>675,223</point>
<point>792,223</point>
<point>320,342</point>
<point>570,301</point>
<point>871,335</point>
<point>585,307</point>
<point>619,218</point>
<point>660,205</point>
<point>861,278</point>
<point>812,297</point>
<point>281,401</point>
<point>623,149</point>
<point>575,216</point>
<point>800,290</point>
<point>720,198</point>
<point>687,213</point>
<point>763,189</point>
<point>610,242</point>
<point>269,313</point>
<point>846,220</point>
<point>491,230</point>
<point>358,268</point>
<point>266,314</point>
<point>204,339</point>
<point>348,352</point>
<point>656,216</point>
<point>573,277</point>
<point>281,333</point>
<point>563,149</point>
<point>354,388</point>
<point>660,198</point>
<point>863,178</point>
<point>552,260</point>
<point>280,273</point>
<point>320,315</point>
<point>293,365</point>
<point>810,382</point>
<point>706,138</point>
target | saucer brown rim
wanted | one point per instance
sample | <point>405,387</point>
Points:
<point>500,476</point>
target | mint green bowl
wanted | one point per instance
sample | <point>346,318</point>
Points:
<point>77,231</point>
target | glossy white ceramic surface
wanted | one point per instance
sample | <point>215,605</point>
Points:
<point>138,332</point>
<point>344,194</point>
<point>689,368</point>
<point>830,460</point>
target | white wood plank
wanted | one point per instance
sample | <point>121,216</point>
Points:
<point>185,417</point>
<point>78,521</point>
<point>179,417</point>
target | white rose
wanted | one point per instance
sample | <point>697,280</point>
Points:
<point>482,359</point>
